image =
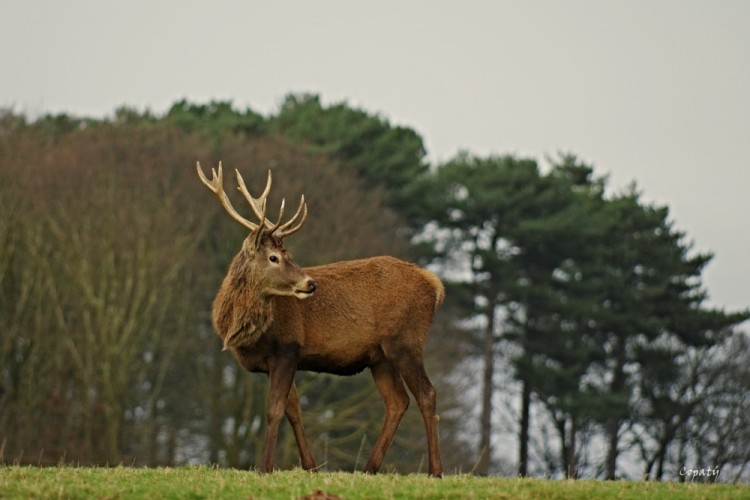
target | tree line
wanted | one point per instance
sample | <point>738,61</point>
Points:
<point>576,326</point>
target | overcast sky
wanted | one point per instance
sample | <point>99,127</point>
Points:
<point>652,91</point>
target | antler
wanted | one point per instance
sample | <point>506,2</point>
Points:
<point>257,204</point>
<point>287,229</point>
<point>259,207</point>
<point>216,185</point>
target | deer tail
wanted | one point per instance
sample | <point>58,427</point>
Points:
<point>437,286</point>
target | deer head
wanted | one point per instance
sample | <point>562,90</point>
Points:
<point>270,266</point>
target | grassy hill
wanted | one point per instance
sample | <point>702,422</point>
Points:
<point>205,482</point>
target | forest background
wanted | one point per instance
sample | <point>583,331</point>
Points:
<point>576,340</point>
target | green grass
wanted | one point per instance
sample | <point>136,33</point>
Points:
<point>206,482</point>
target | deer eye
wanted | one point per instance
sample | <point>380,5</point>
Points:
<point>273,259</point>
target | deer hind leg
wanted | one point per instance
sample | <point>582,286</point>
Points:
<point>294,415</point>
<point>413,372</point>
<point>396,400</point>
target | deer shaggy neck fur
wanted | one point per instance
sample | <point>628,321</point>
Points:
<point>241,313</point>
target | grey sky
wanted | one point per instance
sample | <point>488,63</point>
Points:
<point>652,91</point>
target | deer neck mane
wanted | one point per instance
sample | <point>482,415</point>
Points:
<point>242,312</point>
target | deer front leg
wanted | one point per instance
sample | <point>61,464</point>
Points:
<point>294,415</point>
<point>280,378</point>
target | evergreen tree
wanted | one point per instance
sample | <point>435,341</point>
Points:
<point>384,156</point>
<point>214,118</point>
<point>480,206</point>
<point>590,289</point>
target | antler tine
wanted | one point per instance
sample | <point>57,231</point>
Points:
<point>257,204</point>
<point>287,228</point>
<point>216,185</point>
<point>281,216</point>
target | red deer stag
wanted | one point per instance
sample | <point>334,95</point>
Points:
<point>277,318</point>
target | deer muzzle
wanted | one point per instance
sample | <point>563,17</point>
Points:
<point>307,288</point>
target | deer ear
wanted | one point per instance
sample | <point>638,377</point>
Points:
<point>259,238</point>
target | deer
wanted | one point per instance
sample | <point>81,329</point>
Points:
<point>277,318</point>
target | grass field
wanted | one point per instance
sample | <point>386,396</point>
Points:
<point>206,482</point>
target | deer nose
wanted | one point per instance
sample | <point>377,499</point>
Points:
<point>312,285</point>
